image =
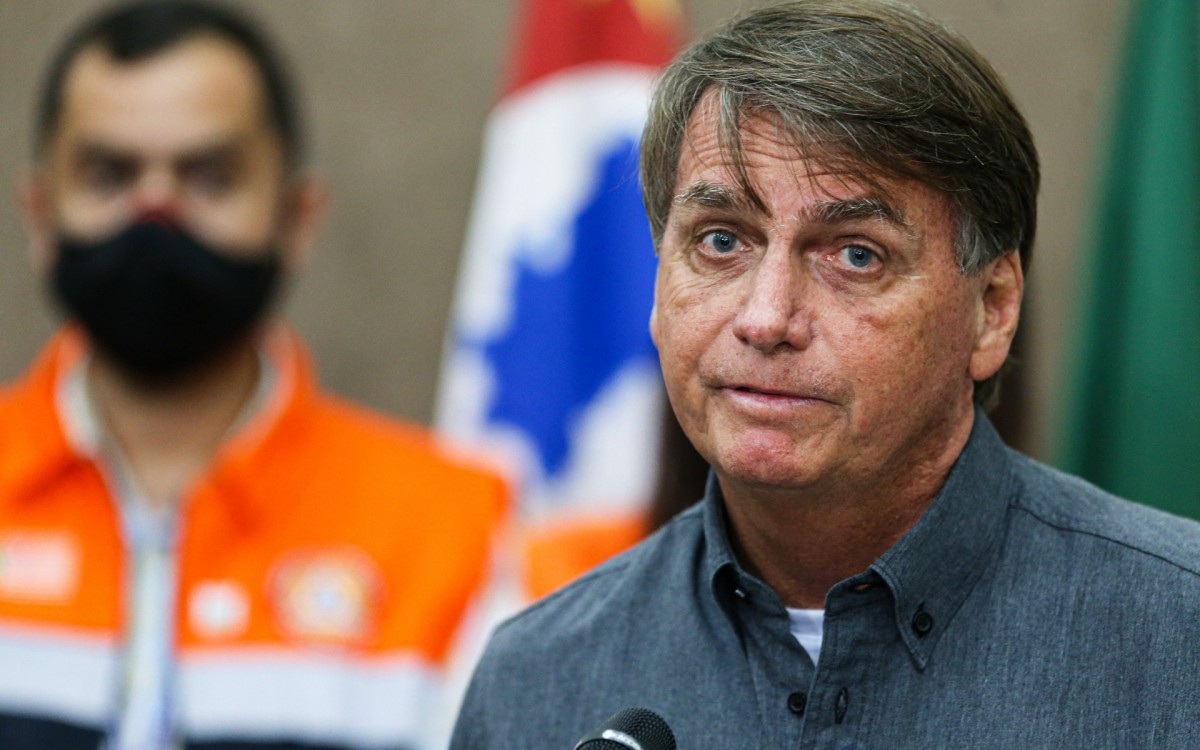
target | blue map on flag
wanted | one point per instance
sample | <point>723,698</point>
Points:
<point>574,329</point>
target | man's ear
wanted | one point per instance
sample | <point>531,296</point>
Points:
<point>304,211</point>
<point>999,310</point>
<point>33,196</point>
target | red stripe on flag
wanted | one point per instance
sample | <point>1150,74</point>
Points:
<point>558,34</point>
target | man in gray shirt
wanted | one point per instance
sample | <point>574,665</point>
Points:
<point>843,198</point>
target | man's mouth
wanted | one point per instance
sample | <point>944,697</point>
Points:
<point>767,391</point>
<point>776,396</point>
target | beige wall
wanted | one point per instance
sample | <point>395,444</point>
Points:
<point>396,94</point>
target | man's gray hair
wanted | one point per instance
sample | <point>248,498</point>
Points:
<point>870,87</point>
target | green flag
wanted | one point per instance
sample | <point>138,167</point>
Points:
<point>1133,420</point>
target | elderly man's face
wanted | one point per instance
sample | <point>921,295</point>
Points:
<point>829,342</point>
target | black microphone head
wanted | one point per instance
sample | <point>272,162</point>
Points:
<point>631,729</point>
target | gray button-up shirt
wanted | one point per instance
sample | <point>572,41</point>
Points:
<point>1025,609</point>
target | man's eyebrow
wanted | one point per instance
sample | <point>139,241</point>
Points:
<point>221,148</point>
<point>832,211</point>
<point>714,195</point>
<point>217,151</point>
<point>97,151</point>
<point>839,211</point>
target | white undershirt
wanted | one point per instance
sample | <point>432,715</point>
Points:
<point>808,628</point>
<point>145,707</point>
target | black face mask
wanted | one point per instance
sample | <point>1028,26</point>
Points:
<point>158,302</point>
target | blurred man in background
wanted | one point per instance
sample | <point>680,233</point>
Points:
<point>197,546</point>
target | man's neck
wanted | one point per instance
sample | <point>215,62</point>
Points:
<point>802,542</point>
<point>168,434</point>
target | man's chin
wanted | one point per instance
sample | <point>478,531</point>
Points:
<point>785,466</point>
<point>171,374</point>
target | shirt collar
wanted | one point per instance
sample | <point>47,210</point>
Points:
<point>54,443</point>
<point>86,433</point>
<point>931,570</point>
<point>720,565</point>
<point>260,438</point>
<point>935,566</point>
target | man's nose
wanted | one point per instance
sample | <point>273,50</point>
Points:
<point>772,312</point>
<point>157,198</point>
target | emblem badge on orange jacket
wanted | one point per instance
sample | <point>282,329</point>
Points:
<point>38,567</point>
<point>326,595</point>
<point>219,609</point>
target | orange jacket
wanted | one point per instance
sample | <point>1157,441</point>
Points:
<point>326,560</point>
<point>554,554</point>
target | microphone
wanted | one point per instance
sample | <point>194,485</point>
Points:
<point>631,729</point>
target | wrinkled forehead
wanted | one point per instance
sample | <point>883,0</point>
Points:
<point>729,142</point>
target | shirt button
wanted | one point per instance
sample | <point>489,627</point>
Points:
<point>797,703</point>
<point>922,623</point>
<point>843,704</point>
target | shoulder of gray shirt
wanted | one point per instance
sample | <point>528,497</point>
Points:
<point>1071,505</point>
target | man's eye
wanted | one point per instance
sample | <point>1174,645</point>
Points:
<point>720,242</point>
<point>105,176</point>
<point>211,180</point>
<point>858,256</point>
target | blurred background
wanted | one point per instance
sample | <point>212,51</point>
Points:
<point>396,95</point>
